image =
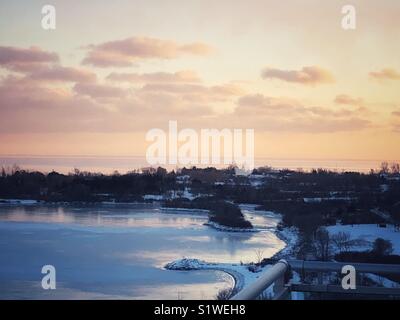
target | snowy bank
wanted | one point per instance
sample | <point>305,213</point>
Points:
<point>220,227</point>
<point>367,234</point>
<point>291,237</point>
<point>184,210</point>
<point>245,274</point>
<point>19,201</point>
<point>241,273</point>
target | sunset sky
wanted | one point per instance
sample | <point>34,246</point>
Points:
<point>112,70</point>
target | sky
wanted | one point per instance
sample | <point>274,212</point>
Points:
<point>112,71</point>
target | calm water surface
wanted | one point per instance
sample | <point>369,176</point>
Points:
<point>118,251</point>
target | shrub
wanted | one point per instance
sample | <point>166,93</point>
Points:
<point>382,247</point>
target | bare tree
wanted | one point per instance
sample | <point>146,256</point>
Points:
<point>341,241</point>
<point>322,243</point>
<point>259,255</point>
<point>395,167</point>
<point>384,167</point>
<point>382,247</point>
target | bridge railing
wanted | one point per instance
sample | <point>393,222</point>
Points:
<point>273,276</point>
<point>277,276</point>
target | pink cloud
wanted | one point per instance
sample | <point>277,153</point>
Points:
<point>282,114</point>
<point>30,106</point>
<point>187,76</point>
<point>25,60</point>
<point>67,74</point>
<point>308,75</point>
<point>196,93</point>
<point>95,90</point>
<point>385,74</point>
<point>223,90</point>
<point>122,53</point>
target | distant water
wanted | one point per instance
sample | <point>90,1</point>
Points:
<point>118,251</point>
<point>105,164</point>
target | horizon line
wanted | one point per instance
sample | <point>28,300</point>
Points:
<point>143,157</point>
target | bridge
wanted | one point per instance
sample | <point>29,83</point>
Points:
<point>278,276</point>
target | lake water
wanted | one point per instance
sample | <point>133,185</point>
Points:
<point>118,251</point>
<point>104,164</point>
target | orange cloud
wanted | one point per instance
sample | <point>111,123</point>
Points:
<point>396,121</point>
<point>122,53</point>
<point>385,74</point>
<point>348,100</point>
<point>308,75</point>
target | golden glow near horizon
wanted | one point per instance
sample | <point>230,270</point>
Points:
<point>109,73</point>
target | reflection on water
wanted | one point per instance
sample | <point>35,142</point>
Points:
<point>105,216</point>
<point>212,283</point>
<point>118,251</point>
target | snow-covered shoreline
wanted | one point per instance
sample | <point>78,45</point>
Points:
<point>291,237</point>
<point>242,273</point>
<point>184,210</point>
<point>234,270</point>
<point>220,227</point>
<point>19,201</point>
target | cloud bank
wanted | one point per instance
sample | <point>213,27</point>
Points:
<point>25,59</point>
<point>123,53</point>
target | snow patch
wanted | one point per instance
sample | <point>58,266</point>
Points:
<point>368,233</point>
<point>153,197</point>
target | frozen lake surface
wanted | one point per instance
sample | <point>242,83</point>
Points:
<point>118,251</point>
